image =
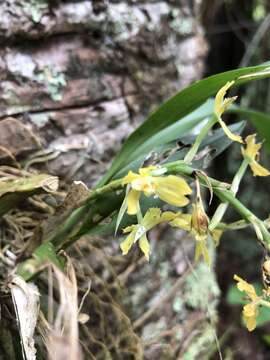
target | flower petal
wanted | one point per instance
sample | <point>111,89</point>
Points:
<point>252,149</point>
<point>145,184</point>
<point>147,170</point>
<point>228,132</point>
<point>133,202</point>
<point>201,250</point>
<point>182,221</point>
<point>199,221</point>
<point>250,323</point>
<point>151,218</point>
<point>258,170</point>
<point>127,243</point>
<point>216,235</point>
<point>246,287</point>
<point>131,176</point>
<point>168,216</point>
<point>145,246</point>
<point>130,228</point>
<point>172,189</point>
<point>249,310</point>
<point>220,103</point>
<point>250,313</point>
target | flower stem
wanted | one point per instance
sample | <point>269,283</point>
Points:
<point>221,209</point>
<point>203,133</point>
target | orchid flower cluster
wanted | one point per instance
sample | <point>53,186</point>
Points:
<point>175,191</point>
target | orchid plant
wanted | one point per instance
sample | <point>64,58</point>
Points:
<point>174,184</point>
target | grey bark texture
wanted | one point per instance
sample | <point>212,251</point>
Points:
<point>79,76</point>
<point>82,74</point>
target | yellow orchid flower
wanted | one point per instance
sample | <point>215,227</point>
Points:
<point>152,217</point>
<point>197,224</point>
<point>199,228</point>
<point>183,221</point>
<point>171,189</point>
<point>199,221</point>
<point>251,152</point>
<point>221,105</point>
<point>250,311</point>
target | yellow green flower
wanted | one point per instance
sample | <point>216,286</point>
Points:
<point>199,221</point>
<point>252,153</point>
<point>250,311</point>
<point>171,189</point>
<point>221,105</point>
<point>199,228</point>
<point>137,232</point>
<point>197,224</point>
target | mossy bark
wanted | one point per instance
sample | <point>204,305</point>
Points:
<point>82,74</point>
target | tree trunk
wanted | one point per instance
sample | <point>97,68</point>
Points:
<point>82,74</point>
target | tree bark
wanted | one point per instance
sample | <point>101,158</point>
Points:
<point>86,73</point>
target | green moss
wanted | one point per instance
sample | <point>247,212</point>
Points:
<point>178,304</point>
<point>40,119</point>
<point>201,290</point>
<point>180,24</point>
<point>54,82</point>
<point>12,101</point>
<point>201,344</point>
<point>35,8</point>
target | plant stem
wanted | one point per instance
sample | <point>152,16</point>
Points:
<point>78,215</point>
<point>221,209</point>
<point>113,185</point>
<point>44,254</point>
<point>228,196</point>
<point>203,133</point>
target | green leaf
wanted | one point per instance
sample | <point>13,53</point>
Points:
<point>122,210</point>
<point>176,108</point>
<point>217,141</point>
<point>42,256</point>
<point>211,146</point>
<point>159,142</point>
<point>14,191</point>
<point>264,316</point>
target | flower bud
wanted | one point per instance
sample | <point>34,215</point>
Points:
<point>199,221</point>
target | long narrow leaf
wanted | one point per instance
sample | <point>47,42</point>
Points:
<point>177,107</point>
